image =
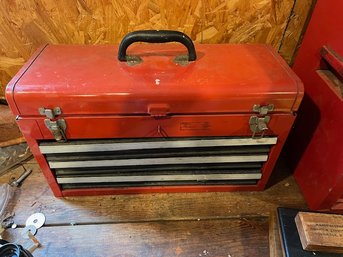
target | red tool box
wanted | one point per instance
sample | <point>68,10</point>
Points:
<point>316,146</point>
<point>101,121</point>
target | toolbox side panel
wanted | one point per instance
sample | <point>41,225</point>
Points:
<point>300,85</point>
<point>102,127</point>
<point>10,86</point>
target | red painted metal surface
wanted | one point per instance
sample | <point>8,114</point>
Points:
<point>102,98</point>
<point>333,59</point>
<point>83,127</point>
<point>316,146</point>
<point>86,77</point>
<point>116,127</point>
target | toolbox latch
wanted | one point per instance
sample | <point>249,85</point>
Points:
<point>50,113</point>
<point>263,109</point>
<point>258,125</point>
<point>57,128</point>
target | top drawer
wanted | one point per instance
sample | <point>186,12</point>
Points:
<point>95,127</point>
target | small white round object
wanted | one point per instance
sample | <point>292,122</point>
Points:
<point>36,219</point>
<point>14,226</point>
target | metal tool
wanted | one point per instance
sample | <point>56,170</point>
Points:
<point>29,233</point>
<point>22,177</point>
<point>35,242</point>
<point>28,229</point>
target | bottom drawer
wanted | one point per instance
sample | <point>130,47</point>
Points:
<point>145,162</point>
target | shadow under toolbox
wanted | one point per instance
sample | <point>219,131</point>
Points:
<point>156,119</point>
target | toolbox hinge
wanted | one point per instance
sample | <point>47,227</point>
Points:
<point>259,124</point>
<point>50,113</point>
<point>263,109</point>
<point>56,126</point>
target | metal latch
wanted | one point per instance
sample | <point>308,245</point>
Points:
<point>56,126</point>
<point>263,109</point>
<point>50,113</point>
<point>258,125</point>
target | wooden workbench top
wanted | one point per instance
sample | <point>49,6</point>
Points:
<point>178,224</point>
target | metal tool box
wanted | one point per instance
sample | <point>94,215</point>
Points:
<point>139,118</point>
<point>316,145</point>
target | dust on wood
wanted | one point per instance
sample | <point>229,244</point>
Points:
<point>204,238</point>
<point>25,25</point>
<point>179,224</point>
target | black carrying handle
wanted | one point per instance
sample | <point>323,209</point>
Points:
<point>156,36</point>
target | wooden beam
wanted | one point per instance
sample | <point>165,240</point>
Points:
<point>295,29</point>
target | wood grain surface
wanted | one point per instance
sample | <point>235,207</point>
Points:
<point>233,237</point>
<point>320,231</point>
<point>9,130</point>
<point>295,29</point>
<point>275,244</point>
<point>181,224</point>
<point>35,196</point>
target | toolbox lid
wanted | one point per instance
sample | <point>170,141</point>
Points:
<point>89,80</point>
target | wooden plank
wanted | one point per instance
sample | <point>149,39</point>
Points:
<point>320,231</point>
<point>222,238</point>
<point>35,196</point>
<point>12,142</point>
<point>275,245</point>
<point>296,26</point>
<point>10,133</point>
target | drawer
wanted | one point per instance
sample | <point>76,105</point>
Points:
<point>157,161</point>
<point>115,154</point>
